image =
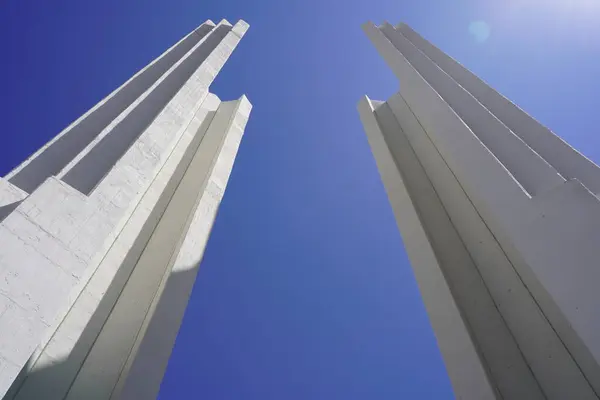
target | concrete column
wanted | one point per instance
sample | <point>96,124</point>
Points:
<point>531,235</point>
<point>162,98</point>
<point>489,185</point>
<point>58,152</point>
<point>542,349</point>
<point>107,364</point>
<point>59,357</point>
<point>10,197</point>
<point>58,240</point>
<point>470,378</point>
<point>146,370</point>
<point>566,160</point>
<point>528,168</point>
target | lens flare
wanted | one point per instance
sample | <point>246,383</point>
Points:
<point>480,30</point>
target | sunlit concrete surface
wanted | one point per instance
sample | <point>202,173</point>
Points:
<point>501,221</point>
<point>102,229</point>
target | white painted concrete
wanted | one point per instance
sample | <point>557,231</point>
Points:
<point>116,345</point>
<point>10,196</point>
<point>535,256</point>
<point>532,171</point>
<point>69,256</point>
<point>9,193</point>
<point>59,151</point>
<point>69,345</point>
<point>566,160</point>
<point>93,163</point>
<point>535,337</point>
<point>465,276</point>
<point>146,370</point>
<point>451,331</point>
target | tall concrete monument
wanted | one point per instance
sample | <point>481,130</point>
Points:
<point>103,228</point>
<point>501,222</point>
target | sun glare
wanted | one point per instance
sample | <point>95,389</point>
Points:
<point>582,8</point>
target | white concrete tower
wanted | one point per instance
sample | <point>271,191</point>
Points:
<point>501,222</point>
<point>102,229</point>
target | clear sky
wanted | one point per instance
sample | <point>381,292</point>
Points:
<point>305,291</point>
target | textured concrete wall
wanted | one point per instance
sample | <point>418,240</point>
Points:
<point>10,196</point>
<point>164,100</point>
<point>565,159</point>
<point>57,361</point>
<point>452,333</point>
<point>146,370</point>
<point>116,346</point>
<point>64,147</point>
<point>527,231</point>
<point>528,168</point>
<point>70,255</point>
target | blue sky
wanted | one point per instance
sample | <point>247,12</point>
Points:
<point>305,291</point>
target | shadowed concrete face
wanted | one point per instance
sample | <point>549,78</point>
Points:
<point>122,341</point>
<point>90,169</point>
<point>49,376</point>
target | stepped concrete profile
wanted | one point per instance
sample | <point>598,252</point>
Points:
<point>102,229</point>
<point>501,222</point>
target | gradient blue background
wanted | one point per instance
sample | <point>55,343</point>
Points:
<point>305,291</point>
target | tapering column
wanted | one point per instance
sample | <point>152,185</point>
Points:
<point>470,379</point>
<point>564,158</point>
<point>85,255</point>
<point>65,146</point>
<point>511,234</point>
